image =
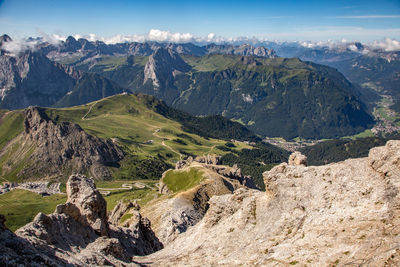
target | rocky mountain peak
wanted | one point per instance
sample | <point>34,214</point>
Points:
<point>4,38</point>
<point>30,78</point>
<point>296,158</point>
<point>163,65</point>
<point>66,145</point>
<point>70,45</point>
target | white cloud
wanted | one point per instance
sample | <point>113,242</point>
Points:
<point>20,44</point>
<point>315,36</point>
<point>166,36</point>
<point>387,45</point>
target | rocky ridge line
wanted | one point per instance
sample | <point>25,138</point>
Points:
<point>62,146</point>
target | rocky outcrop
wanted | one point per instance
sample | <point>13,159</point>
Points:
<point>85,204</point>
<point>162,66</point>
<point>209,159</point>
<point>65,146</point>
<point>344,213</point>
<point>212,162</point>
<point>79,233</point>
<point>296,158</point>
<point>16,251</point>
<point>120,209</point>
<point>174,215</point>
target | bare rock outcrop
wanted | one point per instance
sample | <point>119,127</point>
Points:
<point>296,158</point>
<point>209,159</point>
<point>85,204</point>
<point>16,251</point>
<point>120,209</point>
<point>78,232</point>
<point>344,213</point>
<point>162,66</point>
<point>171,216</point>
<point>59,147</point>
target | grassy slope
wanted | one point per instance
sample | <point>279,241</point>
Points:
<point>10,126</point>
<point>21,206</point>
<point>138,129</point>
<point>179,180</point>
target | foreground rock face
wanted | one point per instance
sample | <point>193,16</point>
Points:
<point>345,213</point>
<point>78,233</point>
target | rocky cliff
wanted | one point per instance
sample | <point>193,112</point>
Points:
<point>30,78</point>
<point>162,66</point>
<point>344,213</point>
<point>51,150</point>
<point>77,233</point>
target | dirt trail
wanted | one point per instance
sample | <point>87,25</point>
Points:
<point>167,146</point>
<point>84,116</point>
<point>139,185</point>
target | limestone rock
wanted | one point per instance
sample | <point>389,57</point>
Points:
<point>105,252</point>
<point>209,159</point>
<point>78,233</point>
<point>120,209</point>
<point>344,213</point>
<point>296,158</point>
<point>85,204</point>
<point>16,251</point>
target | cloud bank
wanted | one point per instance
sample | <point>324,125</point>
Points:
<point>156,35</point>
<point>387,45</point>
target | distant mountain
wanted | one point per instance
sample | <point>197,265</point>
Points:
<point>374,72</point>
<point>378,71</point>
<point>273,97</point>
<point>83,49</point>
<point>30,78</point>
<point>88,88</point>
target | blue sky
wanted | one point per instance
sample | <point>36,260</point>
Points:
<point>274,20</point>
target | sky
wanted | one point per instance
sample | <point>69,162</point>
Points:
<point>180,20</point>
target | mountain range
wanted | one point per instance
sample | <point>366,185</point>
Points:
<point>244,83</point>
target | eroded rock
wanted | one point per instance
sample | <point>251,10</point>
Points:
<point>78,232</point>
<point>296,158</point>
<point>344,213</point>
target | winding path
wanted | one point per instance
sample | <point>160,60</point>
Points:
<point>167,146</point>
<point>138,185</point>
<point>84,116</point>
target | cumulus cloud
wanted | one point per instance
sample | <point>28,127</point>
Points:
<point>166,36</point>
<point>157,35</point>
<point>387,45</point>
<point>18,45</point>
<point>153,35</point>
